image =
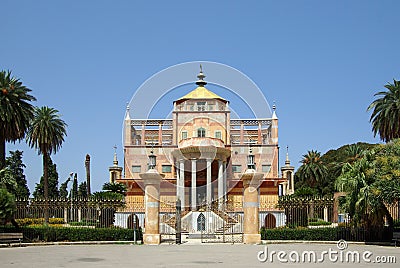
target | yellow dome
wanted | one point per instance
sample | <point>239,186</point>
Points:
<point>201,93</point>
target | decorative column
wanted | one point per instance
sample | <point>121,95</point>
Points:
<point>209,196</point>
<point>127,128</point>
<point>143,133</point>
<point>225,183</point>
<point>220,184</point>
<point>160,133</point>
<point>251,181</point>
<point>194,185</point>
<point>87,166</point>
<point>181,187</point>
<point>241,132</point>
<point>259,136</point>
<point>274,141</point>
<point>152,180</point>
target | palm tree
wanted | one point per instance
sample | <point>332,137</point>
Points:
<point>385,116</point>
<point>16,111</point>
<point>312,170</point>
<point>355,182</point>
<point>115,187</point>
<point>46,133</point>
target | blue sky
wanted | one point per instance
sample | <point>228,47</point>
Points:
<point>321,61</point>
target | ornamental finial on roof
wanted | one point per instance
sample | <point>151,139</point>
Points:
<point>274,111</point>
<point>115,162</point>
<point>287,162</point>
<point>127,115</point>
<point>201,77</point>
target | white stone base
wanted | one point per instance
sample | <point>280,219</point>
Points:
<point>252,239</point>
<point>151,239</point>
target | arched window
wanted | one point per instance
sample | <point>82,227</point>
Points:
<point>133,221</point>
<point>201,222</point>
<point>289,178</point>
<point>201,132</point>
<point>270,221</point>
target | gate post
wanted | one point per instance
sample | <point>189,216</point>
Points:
<point>178,221</point>
<point>251,181</point>
<point>152,180</point>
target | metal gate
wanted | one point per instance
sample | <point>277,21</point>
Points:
<point>168,223</point>
<point>220,225</point>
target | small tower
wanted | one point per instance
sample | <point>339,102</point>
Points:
<point>115,170</point>
<point>274,141</point>
<point>127,127</point>
<point>288,174</point>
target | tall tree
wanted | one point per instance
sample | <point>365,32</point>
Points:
<point>46,133</point>
<point>7,180</point>
<point>82,190</point>
<point>312,170</point>
<point>115,187</point>
<point>16,166</point>
<point>16,111</point>
<point>75,186</point>
<point>385,117</point>
<point>372,184</point>
<point>52,175</point>
<point>63,192</point>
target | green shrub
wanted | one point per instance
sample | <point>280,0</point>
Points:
<point>318,223</point>
<point>311,234</point>
<point>32,221</point>
<point>7,206</point>
<point>53,234</point>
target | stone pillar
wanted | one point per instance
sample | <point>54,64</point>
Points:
<point>177,172</point>
<point>336,197</point>
<point>152,180</point>
<point>194,185</point>
<point>325,213</point>
<point>181,187</point>
<point>209,195</point>
<point>160,133</point>
<point>79,214</point>
<point>65,215</point>
<point>259,135</point>
<point>241,132</point>
<point>225,183</point>
<point>143,133</point>
<point>220,184</point>
<point>251,180</point>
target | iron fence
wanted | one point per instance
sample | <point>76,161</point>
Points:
<point>73,220</point>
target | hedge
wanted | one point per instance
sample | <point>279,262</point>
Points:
<point>55,234</point>
<point>311,234</point>
<point>327,234</point>
<point>30,221</point>
<point>318,223</point>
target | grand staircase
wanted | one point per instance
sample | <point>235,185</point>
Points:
<point>172,221</point>
<point>229,221</point>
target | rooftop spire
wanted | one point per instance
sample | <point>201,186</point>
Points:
<point>127,116</point>
<point>287,162</point>
<point>273,111</point>
<point>201,76</point>
<point>115,162</point>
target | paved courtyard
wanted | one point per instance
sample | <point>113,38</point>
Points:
<point>186,255</point>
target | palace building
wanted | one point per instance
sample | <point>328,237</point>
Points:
<point>203,152</point>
